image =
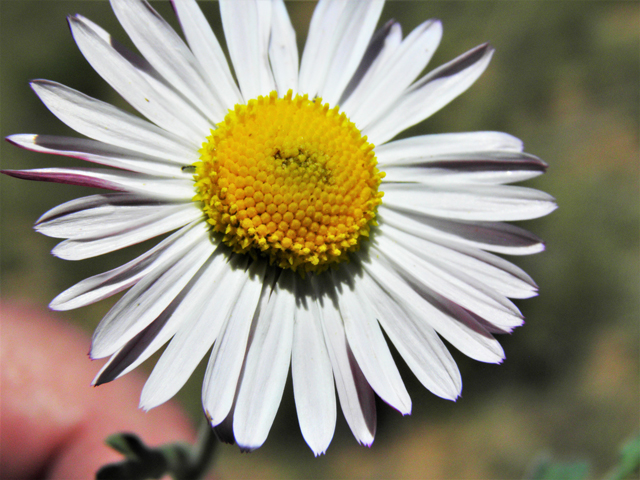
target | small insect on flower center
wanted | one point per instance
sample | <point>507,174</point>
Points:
<point>291,179</point>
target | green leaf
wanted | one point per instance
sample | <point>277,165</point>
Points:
<point>141,461</point>
<point>548,470</point>
<point>127,444</point>
<point>181,460</point>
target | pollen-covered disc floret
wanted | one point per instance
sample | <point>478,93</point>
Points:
<point>291,178</point>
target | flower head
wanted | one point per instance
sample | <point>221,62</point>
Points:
<point>301,230</point>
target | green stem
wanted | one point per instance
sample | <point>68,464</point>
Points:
<point>201,454</point>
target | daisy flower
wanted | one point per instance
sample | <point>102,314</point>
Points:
<point>301,229</point>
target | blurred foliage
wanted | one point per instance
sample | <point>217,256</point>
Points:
<point>547,470</point>
<point>566,79</point>
<point>180,460</point>
<point>629,464</point>
<point>627,467</point>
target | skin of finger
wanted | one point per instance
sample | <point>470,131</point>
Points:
<point>53,423</point>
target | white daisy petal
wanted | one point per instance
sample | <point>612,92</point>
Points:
<point>144,344</point>
<point>452,322</point>
<point>225,364</point>
<point>246,26</point>
<point>490,168</point>
<point>382,46</point>
<point>145,185</point>
<point>167,53</point>
<point>389,80</point>
<point>106,284</point>
<point>409,151</point>
<point>207,50</point>
<point>106,123</point>
<point>456,173</point>
<point>98,152</point>
<point>105,215</point>
<point>356,396</point>
<point>352,38</point>
<point>469,202</point>
<point>491,236</point>
<point>158,86</point>
<point>316,56</point>
<point>116,233</point>
<point>79,248</point>
<point>147,300</point>
<point>283,50</point>
<point>266,366</point>
<point>53,220</point>
<point>417,342</point>
<point>203,311</point>
<point>461,289</point>
<point>498,274</point>
<point>180,119</point>
<point>368,344</point>
<point>313,384</point>
<point>430,94</point>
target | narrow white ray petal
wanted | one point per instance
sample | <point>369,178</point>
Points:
<point>106,216</point>
<point>318,48</point>
<point>313,385</point>
<point>173,99</point>
<point>103,204</point>
<point>495,272</point>
<point>445,176</point>
<point>167,53</point>
<point>98,152</point>
<point>491,167</point>
<point>429,94</point>
<point>181,314</point>
<point>104,285</point>
<point>356,396</point>
<point>283,50</point>
<point>463,279</point>
<point>492,236</point>
<point>207,50</point>
<point>353,38</point>
<point>204,309</point>
<point>153,226</point>
<point>246,27</point>
<point>416,341</point>
<point>381,49</point>
<point>267,82</point>
<point>402,68</point>
<point>469,202</point>
<point>147,300</point>
<point>108,124</point>
<point>367,342</point>
<point>132,85</point>
<point>82,247</point>
<point>461,289</point>
<point>167,189</point>
<point>145,343</point>
<point>456,172</point>
<point>451,321</point>
<point>225,363</point>
<point>407,150</point>
<point>266,366</point>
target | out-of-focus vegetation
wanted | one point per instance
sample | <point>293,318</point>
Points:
<point>565,78</point>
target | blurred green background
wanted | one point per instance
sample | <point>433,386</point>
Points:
<point>566,79</point>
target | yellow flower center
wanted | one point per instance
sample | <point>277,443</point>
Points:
<point>289,178</point>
